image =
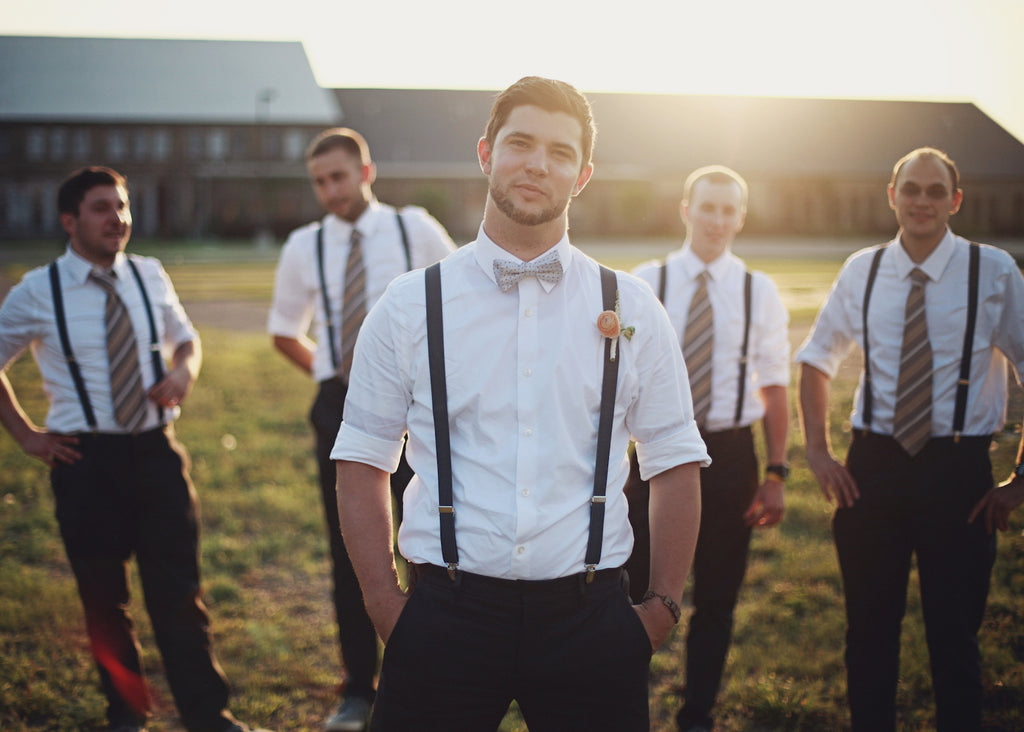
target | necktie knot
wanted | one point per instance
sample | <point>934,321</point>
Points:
<point>106,280</point>
<point>547,269</point>
<point>918,277</point>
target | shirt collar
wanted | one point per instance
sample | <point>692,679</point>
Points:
<point>366,224</point>
<point>77,268</point>
<point>933,266</point>
<point>487,251</point>
<point>694,265</point>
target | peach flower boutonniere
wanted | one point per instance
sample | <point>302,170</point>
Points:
<point>610,326</point>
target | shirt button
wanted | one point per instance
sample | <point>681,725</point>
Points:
<point>528,432</point>
<point>526,492</point>
<point>528,312</point>
<point>527,372</point>
<point>521,550</point>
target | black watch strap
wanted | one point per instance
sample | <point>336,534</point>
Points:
<point>781,470</point>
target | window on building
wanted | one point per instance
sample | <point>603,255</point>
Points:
<point>35,143</point>
<point>270,144</point>
<point>294,144</point>
<point>161,144</point>
<point>217,144</point>
<point>81,145</point>
<point>140,144</point>
<point>117,144</point>
<point>194,144</point>
<point>58,143</point>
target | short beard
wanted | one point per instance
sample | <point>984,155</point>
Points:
<point>505,205</point>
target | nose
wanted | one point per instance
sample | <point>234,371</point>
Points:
<point>537,162</point>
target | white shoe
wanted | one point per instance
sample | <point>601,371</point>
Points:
<point>351,716</point>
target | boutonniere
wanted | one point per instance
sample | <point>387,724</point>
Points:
<point>610,326</point>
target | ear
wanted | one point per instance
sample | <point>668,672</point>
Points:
<point>742,221</point>
<point>684,211</point>
<point>958,198</point>
<point>892,196</point>
<point>369,173</point>
<point>483,154</point>
<point>583,179</point>
<point>68,221</point>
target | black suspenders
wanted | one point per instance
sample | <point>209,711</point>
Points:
<point>69,356</point>
<point>323,279</point>
<point>747,288</point>
<point>964,382</point>
<point>442,436</point>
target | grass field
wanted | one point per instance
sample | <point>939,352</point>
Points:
<point>265,554</point>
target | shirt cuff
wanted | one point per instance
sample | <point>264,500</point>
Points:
<point>359,447</point>
<point>681,448</point>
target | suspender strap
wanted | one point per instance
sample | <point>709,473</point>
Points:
<point>154,341</point>
<point>747,286</point>
<point>405,241</point>
<point>960,411</point>
<point>329,321</point>
<point>323,293</point>
<point>442,437</point>
<point>867,349</point>
<point>609,288</point>
<point>62,330</point>
<point>662,281</point>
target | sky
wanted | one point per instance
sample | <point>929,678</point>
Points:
<point>943,50</point>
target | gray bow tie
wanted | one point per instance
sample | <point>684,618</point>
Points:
<point>508,273</point>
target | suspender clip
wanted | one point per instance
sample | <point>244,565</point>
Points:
<point>590,573</point>
<point>446,509</point>
<point>453,570</point>
<point>963,382</point>
<point>956,437</point>
<point>598,499</point>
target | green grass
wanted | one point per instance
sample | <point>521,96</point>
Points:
<point>265,560</point>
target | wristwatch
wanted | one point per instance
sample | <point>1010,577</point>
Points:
<point>779,470</point>
<point>1018,472</point>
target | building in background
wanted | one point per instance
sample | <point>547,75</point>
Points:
<point>212,135</point>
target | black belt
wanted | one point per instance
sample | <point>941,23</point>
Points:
<point>554,586</point>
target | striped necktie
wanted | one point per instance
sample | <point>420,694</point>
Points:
<point>353,304</point>
<point>698,342</point>
<point>912,422</point>
<point>126,390</point>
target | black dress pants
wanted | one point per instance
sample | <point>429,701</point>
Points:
<point>131,494</point>
<point>719,564</point>
<point>574,655</point>
<point>915,506</point>
<point>356,634</point>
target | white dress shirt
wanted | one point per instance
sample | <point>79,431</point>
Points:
<point>524,371</point>
<point>297,298</point>
<point>998,336</point>
<point>27,319</point>
<point>768,350</point>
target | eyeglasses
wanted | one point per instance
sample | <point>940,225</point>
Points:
<point>936,192</point>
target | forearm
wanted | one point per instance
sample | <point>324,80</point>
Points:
<point>814,396</point>
<point>674,515</point>
<point>188,359</point>
<point>364,509</point>
<point>776,422</point>
<point>297,350</point>
<point>12,416</point>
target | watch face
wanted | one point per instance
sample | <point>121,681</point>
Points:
<point>1018,472</point>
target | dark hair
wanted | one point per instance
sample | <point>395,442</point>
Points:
<point>715,174</point>
<point>83,180</point>
<point>927,152</point>
<point>551,96</point>
<point>339,138</point>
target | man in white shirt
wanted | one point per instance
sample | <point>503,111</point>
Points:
<point>518,593</point>
<point>330,274</point>
<point>748,380</point>
<point>917,478</point>
<point>100,325</point>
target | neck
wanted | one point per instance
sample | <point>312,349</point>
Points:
<point>520,240</point>
<point>919,249</point>
<point>705,254</point>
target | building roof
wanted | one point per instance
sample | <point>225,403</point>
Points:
<point>652,136</point>
<point>160,80</point>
